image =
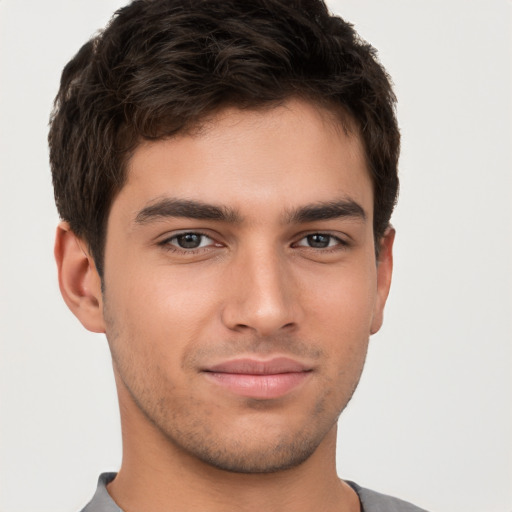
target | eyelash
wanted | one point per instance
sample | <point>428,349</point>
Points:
<point>340,243</point>
<point>166,244</point>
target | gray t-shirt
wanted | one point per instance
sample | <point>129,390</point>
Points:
<point>371,501</point>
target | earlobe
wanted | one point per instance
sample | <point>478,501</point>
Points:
<point>79,282</point>
<point>384,273</point>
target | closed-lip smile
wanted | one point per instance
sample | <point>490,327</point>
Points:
<point>259,379</point>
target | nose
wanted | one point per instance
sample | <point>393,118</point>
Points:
<point>262,297</point>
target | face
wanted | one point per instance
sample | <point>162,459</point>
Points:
<point>241,285</point>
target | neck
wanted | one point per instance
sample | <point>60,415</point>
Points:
<point>157,476</point>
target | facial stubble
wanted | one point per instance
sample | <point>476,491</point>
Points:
<point>187,423</point>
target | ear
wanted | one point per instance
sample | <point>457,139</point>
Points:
<point>79,281</point>
<point>384,272</point>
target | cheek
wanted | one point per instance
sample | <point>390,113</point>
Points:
<point>340,316</point>
<point>343,302</point>
<point>159,314</point>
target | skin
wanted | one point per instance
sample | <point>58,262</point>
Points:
<point>255,287</point>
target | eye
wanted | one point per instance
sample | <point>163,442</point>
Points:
<point>190,241</point>
<point>320,241</point>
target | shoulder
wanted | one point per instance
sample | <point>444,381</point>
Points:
<point>101,501</point>
<point>373,501</point>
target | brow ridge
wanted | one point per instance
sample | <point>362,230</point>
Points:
<point>326,211</point>
<point>185,208</point>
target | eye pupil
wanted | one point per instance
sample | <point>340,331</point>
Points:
<point>318,241</point>
<point>189,240</point>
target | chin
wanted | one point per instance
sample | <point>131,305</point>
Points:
<point>267,459</point>
<point>268,450</point>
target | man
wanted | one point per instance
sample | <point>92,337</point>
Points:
<point>226,172</point>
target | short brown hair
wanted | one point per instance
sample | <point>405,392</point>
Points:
<point>161,66</point>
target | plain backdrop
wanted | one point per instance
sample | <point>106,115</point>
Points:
<point>431,421</point>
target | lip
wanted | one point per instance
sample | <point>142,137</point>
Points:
<point>259,379</point>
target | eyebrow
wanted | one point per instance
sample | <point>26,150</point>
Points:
<point>191,209</point>
<point>186,208</point>
<point>326,211</point>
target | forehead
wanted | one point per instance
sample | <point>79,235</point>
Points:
<point>294,153</point>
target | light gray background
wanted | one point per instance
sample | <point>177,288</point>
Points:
<point>431,421</point>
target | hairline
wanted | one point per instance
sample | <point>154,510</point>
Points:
<point>334,114</point>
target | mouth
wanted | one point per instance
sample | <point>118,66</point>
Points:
<point>262,380</point>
